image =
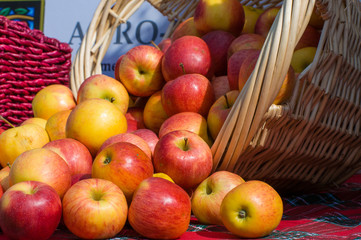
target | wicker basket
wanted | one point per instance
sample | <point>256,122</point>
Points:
<point>29,61</point>
<point>311,142</point>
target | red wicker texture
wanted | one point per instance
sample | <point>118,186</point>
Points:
<point>29,61</point>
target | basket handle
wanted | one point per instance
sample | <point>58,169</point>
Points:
<point>263,85</point>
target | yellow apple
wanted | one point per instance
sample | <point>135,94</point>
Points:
<point>252,209</point>
<point>302,58</point>
<point>4,178</point>
<point>17,140</point>
<point>251,15</point>
<point>154,114</point>
<point>287,87</point>
<point>163,175</point>
<point>93,121</point>
<point>39,121</point>
<point>55,126</point>
<point>52,99</point>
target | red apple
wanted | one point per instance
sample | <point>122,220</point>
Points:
<point>94,209</point>
<point>218,42</point>
<point>149,136</point>
<point>208,196</point>
<point>219,111</point>
<point>184,156</point>
<point>190,121</point>
<point>188,93</point>
<point>41,165</point>
<point>75,154</point>
<point>235,63</point>
<point>164,44</point>
<point>310,38</point>
<point>220,86</point>
<point>124,164</point>
<point>104,87</point>
<point>246,41</point>
<point>226,15</point>
<point>116,68</point>
<point>134,118</point>
<point>182,59</point>
<point>1,130</point>
<point>4,178</point>
<point>30,210</point>
<point>78,177</point>
<point>140,70</point>
<point>159,209</point>
<point>130,138</point>
<point>265,21</point>
<point>185,28</point>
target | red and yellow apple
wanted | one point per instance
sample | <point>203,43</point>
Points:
<point>185,28</point>
<point>252,209</point>
<point>149,136</point>
<point>94,209</point>
<point>39,121</point>
<point>245,41</point>
<point>154,114</point>
<point>251,15</point>
<point>134,117</point>
<point>220,86</point>
<point>55,125</point>
<point>52,99</point>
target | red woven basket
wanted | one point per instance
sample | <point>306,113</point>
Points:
<point>29,61</point>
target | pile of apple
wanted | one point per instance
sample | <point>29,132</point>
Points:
<point>136,147</point>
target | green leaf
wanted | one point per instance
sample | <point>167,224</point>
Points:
<point>5,11</point>
<point>21,11</point>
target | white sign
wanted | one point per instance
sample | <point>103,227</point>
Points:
<point>68,20</point>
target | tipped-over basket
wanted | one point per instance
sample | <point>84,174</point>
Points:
<point>309,143</point>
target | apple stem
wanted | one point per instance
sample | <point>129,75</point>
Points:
<point>242,214</point>
<point>8,164</point>
<point>182,66</point>
<point>4,119</point>
<point>225,96</point>
<point>186,147</point>
<point>112,99</point>
<point>107,160</point>
<point>155,45</point>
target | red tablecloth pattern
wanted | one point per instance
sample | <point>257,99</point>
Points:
<point>331,215</point>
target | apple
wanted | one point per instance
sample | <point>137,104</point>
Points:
<point>235,64</point>
<point>39,121</point>
<point>124,164</point>
<point>208,196</point>
<point>149,136</point>
<point>17,140</point>
<point>52,99</point>
<point>1,191</point>
<point>140,70</point>
<point>93,121</point>
<point>41,165</point>
<point>154,114</point>
<point>251,16</point>
<point>316,19</point>
<point>184,156</point>
<point>164,44</point>
<point>134,118</point>
<point>218,42</point>
<point>219,111</point>
<point>185,28</point>
<point>116,69</point>
<point>265,21</point>
<point>94,209</point>
<point>181,59</point>
<point>159,209</point>
<point>246,67</point>
<point>190,121</point>
<point>1,130</point>
<point>302,57</point>
<point>130,138</point>
<point>220,86</point>
<point>104,87</point>
<point>310,38</point>
<point>226,15</point>
<point>55,125</point>
<point>75,154</point>
<point>188,93</point>
<point>246,41</point>
<point>252,209</point>
<point>4,177</point>
<point>30,210</point>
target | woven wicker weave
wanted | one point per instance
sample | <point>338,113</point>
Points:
<point>29,61</point>
<point>312,141</point>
